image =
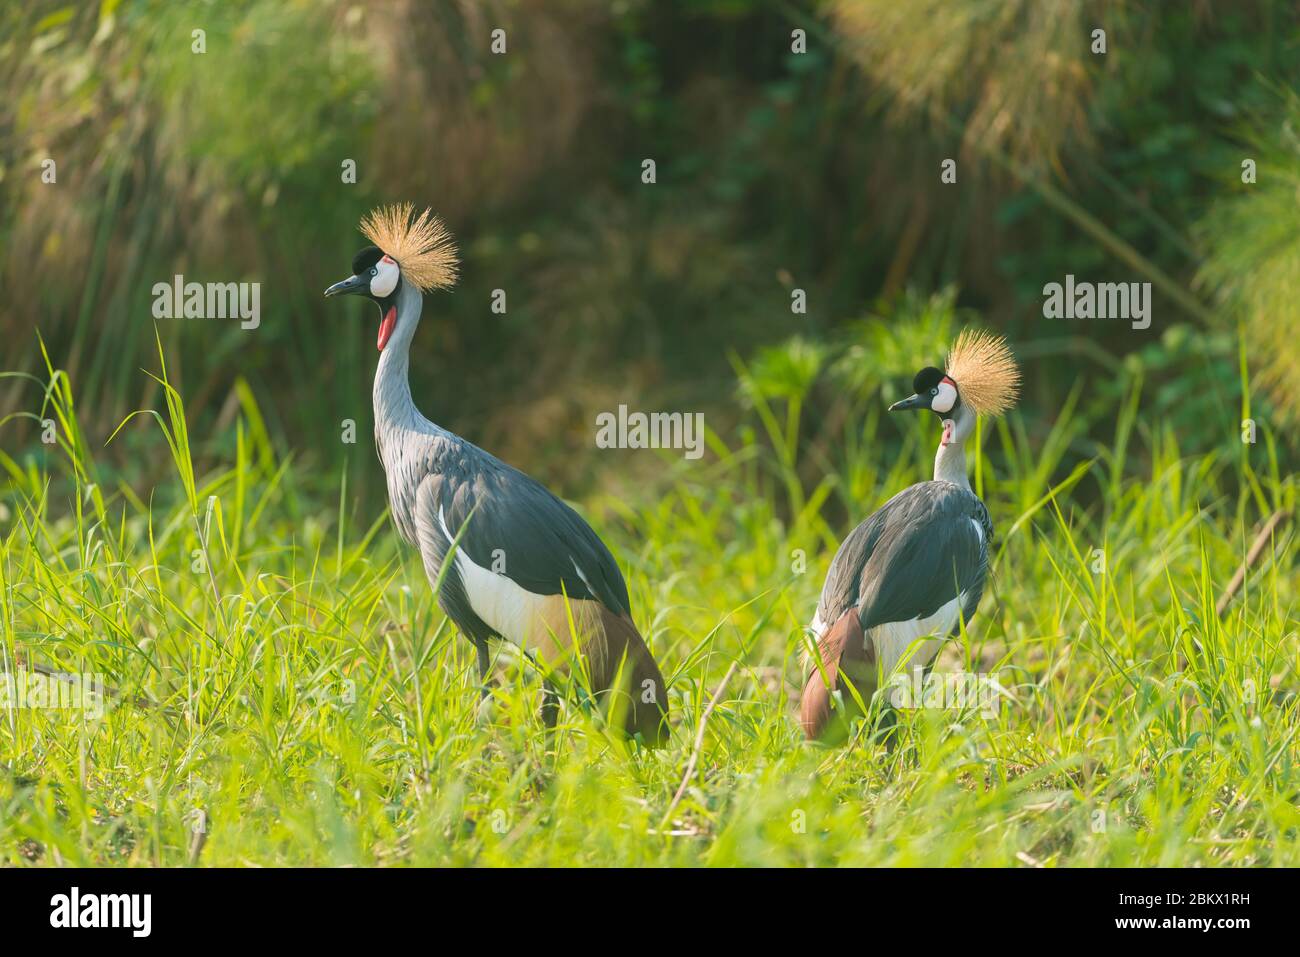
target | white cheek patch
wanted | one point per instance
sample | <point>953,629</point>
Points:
<point>945,399</point>
<point>383,282</point>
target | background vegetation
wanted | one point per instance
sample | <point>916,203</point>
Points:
<point>287,679</point>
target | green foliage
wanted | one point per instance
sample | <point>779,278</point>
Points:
<point>971,57</point>
<point>1254,242</point>
<point>777,170</point>
<point>289,693</point>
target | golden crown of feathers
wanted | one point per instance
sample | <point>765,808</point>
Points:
<point>985,372</point>
<point>422,246</point>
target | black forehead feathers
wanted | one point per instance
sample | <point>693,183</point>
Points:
<point>363,260</point>
<point>926,379</point>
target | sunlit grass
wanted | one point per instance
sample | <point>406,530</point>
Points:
<point>290,693</point>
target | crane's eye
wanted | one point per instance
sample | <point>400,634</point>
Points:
<point>374,270</point>
<point>934,391</point>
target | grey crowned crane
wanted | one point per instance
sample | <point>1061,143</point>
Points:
<point>905,578</point>
<point>508,558</point>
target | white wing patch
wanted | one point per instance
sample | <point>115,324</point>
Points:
<point>442,523</point>
<point>506,607</point>
<point>590,590</point>
<point>894,639</point>
<point>979,530</point>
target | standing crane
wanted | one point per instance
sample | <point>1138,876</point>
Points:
<point>904,580</point>
<point>507,558</point>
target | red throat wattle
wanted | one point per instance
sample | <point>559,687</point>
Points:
<point>387,326</point>
<point>948,426</point>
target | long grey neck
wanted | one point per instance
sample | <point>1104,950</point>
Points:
<point>394,408</point>
<point>950,460</point>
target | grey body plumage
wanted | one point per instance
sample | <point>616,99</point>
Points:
<point>437,481</point>
<point>924,547</point>
<point>508,558</point>
<point>909,576</point>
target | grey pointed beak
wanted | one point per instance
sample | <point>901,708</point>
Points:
<point>911,402</point>
<point>348,287</point>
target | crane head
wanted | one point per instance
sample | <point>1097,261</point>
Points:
<point>405,248</point>
<point>376,276</point>
<point>932,390</point>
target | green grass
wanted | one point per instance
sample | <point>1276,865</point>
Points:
<point>289,682</point>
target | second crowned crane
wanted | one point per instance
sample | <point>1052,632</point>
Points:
<point>905,579</point>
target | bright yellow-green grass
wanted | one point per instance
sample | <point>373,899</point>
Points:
<point>292,695</point>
